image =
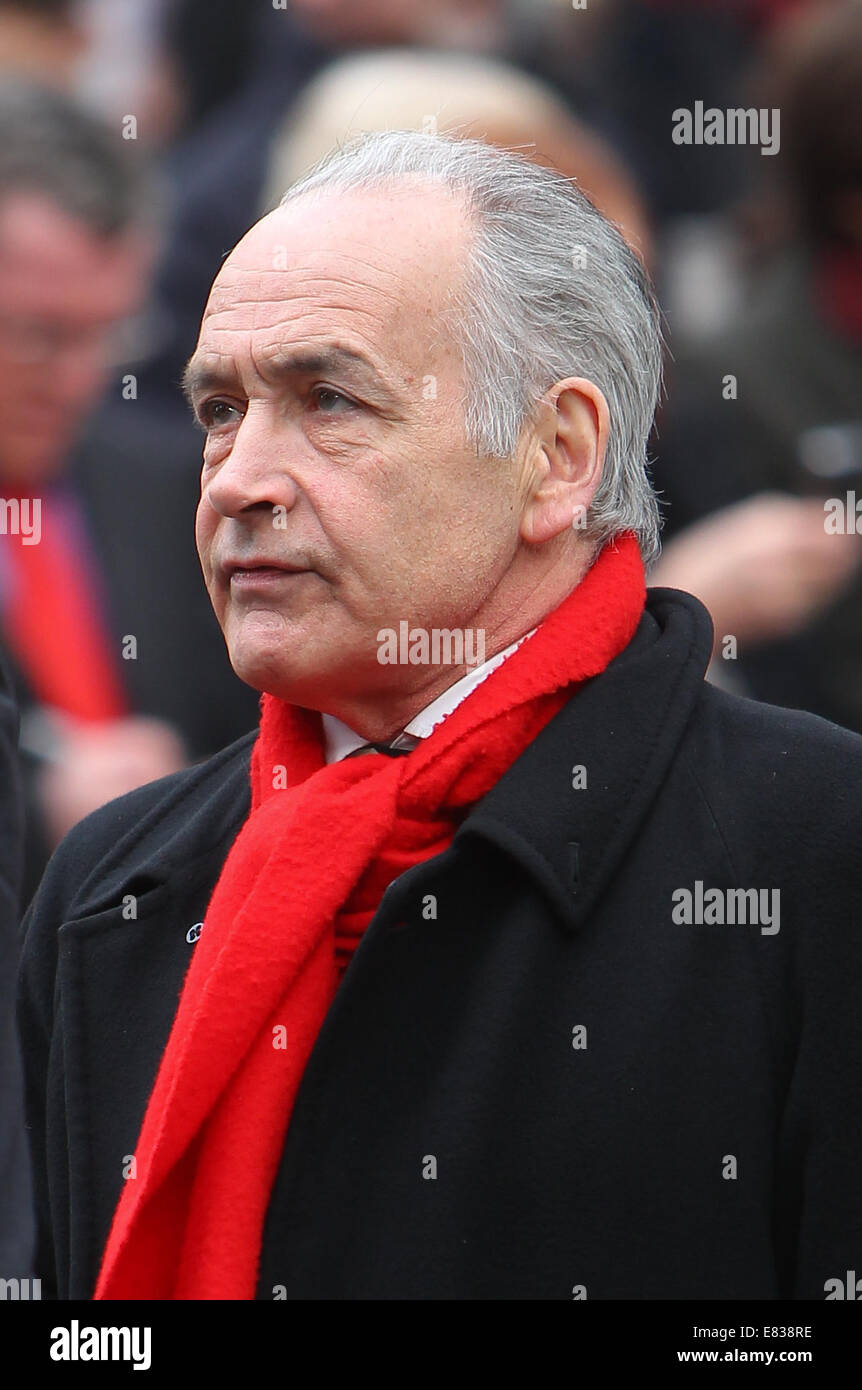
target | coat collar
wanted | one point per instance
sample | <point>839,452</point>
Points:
<point>623,728</point>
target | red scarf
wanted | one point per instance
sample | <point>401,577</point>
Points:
<point>319,845</point>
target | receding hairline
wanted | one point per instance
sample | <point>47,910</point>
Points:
<point>457,198</point>
<point>400,181</point>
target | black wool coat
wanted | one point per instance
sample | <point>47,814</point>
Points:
<point>535,1081</point>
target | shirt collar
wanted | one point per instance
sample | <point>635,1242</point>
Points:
<point>340,739</point>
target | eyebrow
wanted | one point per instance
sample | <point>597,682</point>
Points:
<point>199,377</point>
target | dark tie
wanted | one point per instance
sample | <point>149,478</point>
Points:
<point>379,748</point>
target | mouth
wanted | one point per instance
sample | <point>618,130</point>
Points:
<point>257,573</point>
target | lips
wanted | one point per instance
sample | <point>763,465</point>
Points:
<point>259,568</point>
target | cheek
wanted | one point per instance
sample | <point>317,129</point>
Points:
<point>205,523</point>
<point>354,519</point>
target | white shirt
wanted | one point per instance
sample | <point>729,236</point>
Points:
<point>340,739</point>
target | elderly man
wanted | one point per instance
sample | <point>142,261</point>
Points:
<point>512,967</point>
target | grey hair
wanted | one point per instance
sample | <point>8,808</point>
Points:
<point>551,290</point>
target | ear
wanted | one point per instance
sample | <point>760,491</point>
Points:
<point>565,458</point>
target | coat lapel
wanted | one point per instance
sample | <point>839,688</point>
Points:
<point>570,805</point>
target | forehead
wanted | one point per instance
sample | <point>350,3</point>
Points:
<point>53,264</point>
<point>372,268</point>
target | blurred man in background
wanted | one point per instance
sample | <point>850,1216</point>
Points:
<point>764,417</point>
<point>458,94</point>
<point>218,172</point>
<point>95,616</point>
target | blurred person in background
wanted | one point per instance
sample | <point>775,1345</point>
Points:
<point>479,98</point>
<point>106,635</point>
<point>133,57</point>
<point>126,67</point>
<point>214,174</point>
<point>218,171</point>
<point>212,73</point>
<point>17,1227</point>
<point>754,463</point>
<point>474,25</point>
<point>628,64</point>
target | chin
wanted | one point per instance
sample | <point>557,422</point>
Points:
<point>307,663</point>
<point>266,667</point>
<point>262,670</point>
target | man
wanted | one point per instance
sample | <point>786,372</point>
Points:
<point>101,619</point>
<point>546,993</point>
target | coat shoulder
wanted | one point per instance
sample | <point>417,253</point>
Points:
<point>759,733</point>
<point>783,784</point>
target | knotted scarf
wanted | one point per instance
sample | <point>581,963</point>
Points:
<point>318,848</point>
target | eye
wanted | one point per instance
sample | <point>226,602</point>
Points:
<point>213,414</point>
<point>330,401</point>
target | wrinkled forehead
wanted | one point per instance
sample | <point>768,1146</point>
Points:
<point>392,257</point>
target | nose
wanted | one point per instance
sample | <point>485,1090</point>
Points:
<point>255,474</point>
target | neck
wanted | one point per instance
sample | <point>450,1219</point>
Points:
<point>503,618</point>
